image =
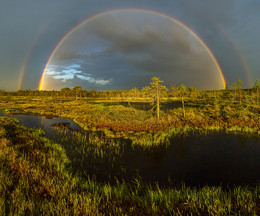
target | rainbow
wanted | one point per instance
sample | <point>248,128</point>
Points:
<point>26,62</point>
<point>40,87</point>
<point>30,50</point>
<point>228,38</point>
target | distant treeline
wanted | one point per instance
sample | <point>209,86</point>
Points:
<point>235,92</point>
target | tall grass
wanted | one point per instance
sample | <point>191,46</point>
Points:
<point>35,179</point>
<point>119,121</point>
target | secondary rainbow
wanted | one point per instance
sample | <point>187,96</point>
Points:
<point>30,50</point>
<point>40,87</point>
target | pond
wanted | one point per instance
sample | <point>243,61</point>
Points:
<point>196,160</point>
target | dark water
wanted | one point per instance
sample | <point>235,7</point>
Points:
<point>196,160</point>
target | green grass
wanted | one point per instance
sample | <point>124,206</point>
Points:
<point>202,115</point>
<point>35,179</point>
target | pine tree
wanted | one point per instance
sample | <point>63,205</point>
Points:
<point>157,92</point>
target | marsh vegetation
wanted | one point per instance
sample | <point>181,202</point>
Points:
<point>114,153</point>
<point>36,179</point>
<point>176,160</point>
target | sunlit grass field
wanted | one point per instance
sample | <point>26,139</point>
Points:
<point>201,114</point>
<point>36,176</point>
<point>35,179</point>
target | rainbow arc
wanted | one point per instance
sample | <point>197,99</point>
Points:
<point>41,83</point>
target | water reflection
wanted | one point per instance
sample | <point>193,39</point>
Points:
<point>197,160</point>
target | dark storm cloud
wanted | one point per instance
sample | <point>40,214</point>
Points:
<point>143,51</point>
<point>45,22</point>
<point>126,37</point>
<point>67,55</point>
<point>230,30</point>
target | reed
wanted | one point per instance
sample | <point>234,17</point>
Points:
<point>120,121</point>
<point>35,179</point>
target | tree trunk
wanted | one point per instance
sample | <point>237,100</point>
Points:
<point>157,103</point>
<point>257,96</point>
<point>158,106</point>
<point>240,95</point>
<point>183,108</point>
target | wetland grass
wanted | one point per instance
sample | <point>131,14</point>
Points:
<point>35,179</point>
<point>117,121</point>
<point>36,176</point>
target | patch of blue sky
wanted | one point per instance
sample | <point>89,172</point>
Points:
<point>65,74</point>
<point>58,72</point>
<point>92,80</point>
<point>64,77</point>
<point>74,66</point>
<point>85,78</point>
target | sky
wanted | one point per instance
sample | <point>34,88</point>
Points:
<point>122,44</point>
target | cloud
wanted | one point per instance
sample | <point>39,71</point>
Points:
<point>76,80</point>
<point>230,30</point>
<point>128,52</point>
<point>123,46</point>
